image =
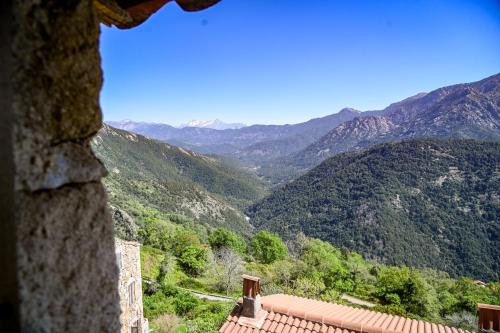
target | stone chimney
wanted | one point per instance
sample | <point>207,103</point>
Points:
<point>251,296</point>
<point>489,318</point>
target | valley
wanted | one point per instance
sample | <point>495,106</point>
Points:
<point>156,175</point>
<point>357,206</point>
<point>278,153</point>
<point>421,203</point>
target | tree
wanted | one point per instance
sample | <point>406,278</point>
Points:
<point>229,267</point>
<point>357,267</point>
<point>224,238</point>
<point>309,286</point>
<point>296,246</point>
<point>184,238</point>
<point>124,226</point>
<point>193,260</point>
<point>268,247</point>
<point>157,233</point>
<point>323,259</point>
<point>285,271</point>
<point>407,288</point>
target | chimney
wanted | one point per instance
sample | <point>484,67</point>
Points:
<point>251,296</point>
<point>489,318</point>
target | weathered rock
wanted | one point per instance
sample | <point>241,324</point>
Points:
<point>66,274</point>
<point>67,268</point>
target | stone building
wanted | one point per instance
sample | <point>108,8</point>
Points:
<point>128,260</point>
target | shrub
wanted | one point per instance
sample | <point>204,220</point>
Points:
<point>464,320</point>
<point>182,239</point>
<point>223,238</point>
<point>193,260</point>
<point>185,302</point>
<point>209,317</point>
<point>157,304</point>
<point>268,247</point>
<point>169,290</point>
<point>166,323</point>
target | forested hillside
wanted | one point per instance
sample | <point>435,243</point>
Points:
<point>422,203</point>
<point>148,173</point>
<point>464,111</point>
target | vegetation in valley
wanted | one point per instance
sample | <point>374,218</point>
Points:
<point>305,267</point>
<point>145,172</point>
<point>421,203</point>
<point>391,208</point>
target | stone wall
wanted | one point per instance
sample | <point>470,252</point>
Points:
<point>129,258</point>
<point>8,278</point>
<point>66,272</point>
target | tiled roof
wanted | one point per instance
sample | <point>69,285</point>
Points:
<point>126,14</point>
<point>292,314</point>
<point>277,323</point>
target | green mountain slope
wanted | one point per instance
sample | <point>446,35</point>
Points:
<point>461,111</point>
<point>174,180</point>
<point>420,203</point>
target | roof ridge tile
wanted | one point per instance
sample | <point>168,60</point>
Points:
<point>293,314</point>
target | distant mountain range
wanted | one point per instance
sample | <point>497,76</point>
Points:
<point>415,183</point>
<point>281,152</point>
<point>152,174</point>
<point>425,203</point>
<point>213,124</point>
<point>461,111</point>
<point>251,144</point>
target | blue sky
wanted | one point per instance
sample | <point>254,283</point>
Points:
<point>286,61</point>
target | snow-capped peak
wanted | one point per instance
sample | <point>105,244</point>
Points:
<point>213,124</point>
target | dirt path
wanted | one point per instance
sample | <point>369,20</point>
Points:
<point>357,301</point>
<point>209,296</point>
<point>219,298</point>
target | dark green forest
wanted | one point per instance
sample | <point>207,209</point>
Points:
<point>421,203</point>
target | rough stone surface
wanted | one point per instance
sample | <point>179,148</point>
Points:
<point>65,248</point>
<point>66,262</point>
<point>62,164</point>
<point>58,79</point>
<point>129,257</point>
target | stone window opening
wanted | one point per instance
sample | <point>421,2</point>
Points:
<point>53,206</point>
<point>131,292</point>
<point>134,327</point>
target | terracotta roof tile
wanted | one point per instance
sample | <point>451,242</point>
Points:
<point>292,314</point>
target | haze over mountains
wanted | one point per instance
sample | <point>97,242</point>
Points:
<point>280,152</point>
<point>251,144</point>
<point>429,198</point>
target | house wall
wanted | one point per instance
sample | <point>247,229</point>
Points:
<point>130,273</point>
<point>58,231</point>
